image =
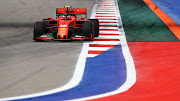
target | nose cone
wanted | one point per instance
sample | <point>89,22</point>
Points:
<point>63,31</point>
<point>63,36</point>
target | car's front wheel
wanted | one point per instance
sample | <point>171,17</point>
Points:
<point>87,30</point>
<point>95,27</point>
<point>38,30</point>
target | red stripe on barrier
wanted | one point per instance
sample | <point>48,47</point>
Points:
<point>95,52</point>
<point>107,5</point>
<point>108,25</point>
<point>107,22</point>
<point>110,10</point>
<point>110,34</point>
<point>108,29</point>
<point>100,45</point>
<point>104,19</point>
<point>105,13</point>
<point>105,9</point>
<point>105,16</point>
<point>106,40</point>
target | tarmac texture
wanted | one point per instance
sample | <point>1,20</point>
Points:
<point>27,66</point>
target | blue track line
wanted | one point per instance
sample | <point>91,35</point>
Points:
<point>103,73</point>
<point>171,8</point>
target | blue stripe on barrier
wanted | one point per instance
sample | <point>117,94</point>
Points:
<point>103,73</point>
<point>171,8</point>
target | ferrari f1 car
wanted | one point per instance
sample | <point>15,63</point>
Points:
<point>70,24</point>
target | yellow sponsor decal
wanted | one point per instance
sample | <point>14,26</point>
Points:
<point>63,29</point>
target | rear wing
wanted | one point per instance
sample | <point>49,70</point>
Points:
<point>71,11</point>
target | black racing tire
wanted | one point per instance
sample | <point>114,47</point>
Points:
<point>70,32</point>
<point>39,40</point>
<point>38,30</point>
<point>96,27</point>
<point>87,29</point>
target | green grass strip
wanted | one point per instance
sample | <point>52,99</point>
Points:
<point>141,24</point>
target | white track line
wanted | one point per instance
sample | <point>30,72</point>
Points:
<point>105,42</point>
<point>131,72</point>
<point>108,28</point>
<point>107,37</point>
<point>106,17</point>
<point>108,5</point>
<point>103,10</point>
<point>78,73</point>
<point>99,48</point>
<point>92,55</point>
<point>114,32</point>
<point>105,14</point>
<point>106,2</point>
<point>108,24</point>
<point>77,76</point>
<point>107,34</point>
<point>108,21</point>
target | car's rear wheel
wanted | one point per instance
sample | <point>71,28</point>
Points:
<point>87,30</point>
<point>95,27</point>
<point>38,30</point>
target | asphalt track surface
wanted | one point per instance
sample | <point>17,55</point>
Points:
<point>26,66</point>
<point>101,67</point>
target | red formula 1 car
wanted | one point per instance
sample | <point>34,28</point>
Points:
<point>70,24</point>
